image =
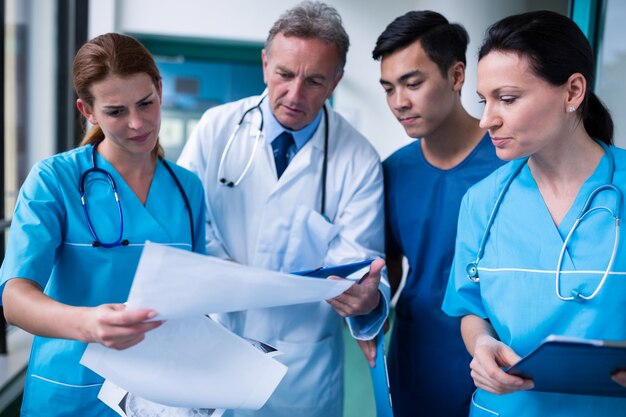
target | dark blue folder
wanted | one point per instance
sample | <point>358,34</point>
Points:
<point>340,271</point>
<point>574,366</point>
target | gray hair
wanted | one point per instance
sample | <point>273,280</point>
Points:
<point>312,20</point>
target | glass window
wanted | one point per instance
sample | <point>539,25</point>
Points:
<point>612,65</point>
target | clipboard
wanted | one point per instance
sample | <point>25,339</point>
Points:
<point>574,366</point>
<point>340,271</point>
<point>380,379</point>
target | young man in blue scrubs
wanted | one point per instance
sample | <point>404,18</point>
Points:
<point>422,72</point>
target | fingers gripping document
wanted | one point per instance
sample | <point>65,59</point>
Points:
<point>191,361</point>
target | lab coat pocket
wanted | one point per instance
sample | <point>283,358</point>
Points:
<point>313,370</point>
<point>309,240</point>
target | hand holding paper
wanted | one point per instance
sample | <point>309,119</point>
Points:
<point>361,298</point>
<point>192,361</point>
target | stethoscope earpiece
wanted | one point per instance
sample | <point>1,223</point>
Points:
<point>227,183</point>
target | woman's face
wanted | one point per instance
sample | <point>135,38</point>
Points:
<point>128,110</point>
<point>523,113</point>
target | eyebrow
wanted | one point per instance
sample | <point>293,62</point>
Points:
<point>404,77</point>
<point>308,76</point>
<point>499,89</point>
<point>113,107</point>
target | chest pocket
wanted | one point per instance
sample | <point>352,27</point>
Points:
<point>309,239</point>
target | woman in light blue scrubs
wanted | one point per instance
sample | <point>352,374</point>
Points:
<point>68,267</point>
<point>535,76</point>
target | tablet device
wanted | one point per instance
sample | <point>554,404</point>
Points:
<point>574,366</point>
<point>340,271</point>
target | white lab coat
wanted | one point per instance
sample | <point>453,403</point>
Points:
<point>276,224</point>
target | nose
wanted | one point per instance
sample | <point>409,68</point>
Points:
<point>296,90</point>
<point>400,100</point>
<point>135,121</point>
<point>490,120</point>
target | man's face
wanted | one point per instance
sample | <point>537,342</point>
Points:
<point>300,75</point>
<point>418,94</point>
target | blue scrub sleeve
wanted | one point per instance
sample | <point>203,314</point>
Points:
<point>36,228</point>
<point>462,295</point>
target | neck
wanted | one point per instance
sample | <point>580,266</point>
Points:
<point>127,163</point>
<point>569,161</point>
<point>137,170</point>
<point>561,169</point>
<point>453,141</point>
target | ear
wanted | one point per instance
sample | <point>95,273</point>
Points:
<point>456,74</point>
<point>576,87</point>
<point>265,59</point>
<point>86,111</point>
<point>338,78</point>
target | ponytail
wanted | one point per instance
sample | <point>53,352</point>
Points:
<point>93,137</point>
<point>597,119</point>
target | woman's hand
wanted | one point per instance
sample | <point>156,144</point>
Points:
<point>490,355</point>
<point>115,327</point>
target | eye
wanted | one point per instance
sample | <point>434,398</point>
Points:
<point>482,101</point>
<point>147,103</point>
<point>414,85</point>
<point>284,75</point>
<point>314,82</point>
<point>114,112</point>
<point>508,99</point>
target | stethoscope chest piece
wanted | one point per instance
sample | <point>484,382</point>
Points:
<point>472,272</point>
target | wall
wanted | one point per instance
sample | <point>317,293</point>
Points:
<point>359,96</point>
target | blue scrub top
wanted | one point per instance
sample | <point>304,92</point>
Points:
<point>517,279</point>
<point>50,243</point>
<point>427,359</point>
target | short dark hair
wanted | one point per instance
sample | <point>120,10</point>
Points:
<point>445,43</point>
<point>556,48</point>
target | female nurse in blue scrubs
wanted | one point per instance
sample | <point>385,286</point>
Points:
<point>518,273</point>
<point>69,266</point>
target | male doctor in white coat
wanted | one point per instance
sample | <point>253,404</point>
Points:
<point>260,216</point>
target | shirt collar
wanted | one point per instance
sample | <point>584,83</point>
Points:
<point>272,127</point>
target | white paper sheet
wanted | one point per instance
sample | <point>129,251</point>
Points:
<point>192,363</point>
<point>178,283</point>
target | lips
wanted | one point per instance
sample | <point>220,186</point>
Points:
<point>140,138</point>
<point>293,110</point>
<point>499,141</point>
<point>408,120</point>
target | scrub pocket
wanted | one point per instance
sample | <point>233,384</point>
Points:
<point>311,374</point>
<point>44,397</point>
<point>477,410</point>
<point>309,239</point>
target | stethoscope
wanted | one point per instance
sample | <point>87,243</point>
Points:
<point>232,184</point>
<point>120,241</point>
<point>472,267</point>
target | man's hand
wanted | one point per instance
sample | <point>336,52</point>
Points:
<point>362,297</point>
